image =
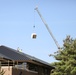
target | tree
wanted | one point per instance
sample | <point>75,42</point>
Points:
<point>66,64</point>
<point>2,72</point>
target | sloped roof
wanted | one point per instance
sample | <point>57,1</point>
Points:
<point>14,55</point>
<point>11,54</point>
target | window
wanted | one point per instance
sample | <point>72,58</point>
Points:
<point>33,67</point>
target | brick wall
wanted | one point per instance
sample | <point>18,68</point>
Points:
<point>9,70</point>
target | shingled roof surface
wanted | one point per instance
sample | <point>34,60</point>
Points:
<point>12,54</point>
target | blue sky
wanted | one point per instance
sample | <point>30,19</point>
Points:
<point>17,18</point>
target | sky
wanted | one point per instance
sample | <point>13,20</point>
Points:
<point>17,18</point>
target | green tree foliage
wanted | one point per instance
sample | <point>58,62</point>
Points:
<point>66,64</point>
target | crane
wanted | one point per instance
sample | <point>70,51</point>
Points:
<point>46,25</point>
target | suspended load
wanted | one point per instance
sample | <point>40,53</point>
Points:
<point>33,35</point>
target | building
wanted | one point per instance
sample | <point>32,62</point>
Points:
<point>14,62</point>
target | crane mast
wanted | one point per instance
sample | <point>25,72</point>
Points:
<point>47,28</point>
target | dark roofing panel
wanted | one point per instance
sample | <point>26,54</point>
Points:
<point>35,59</point>
<point>11,53</point>
<point>8,53</point>
<point>3,56</point>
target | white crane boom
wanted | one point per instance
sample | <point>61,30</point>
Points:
<point>47,28</point>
